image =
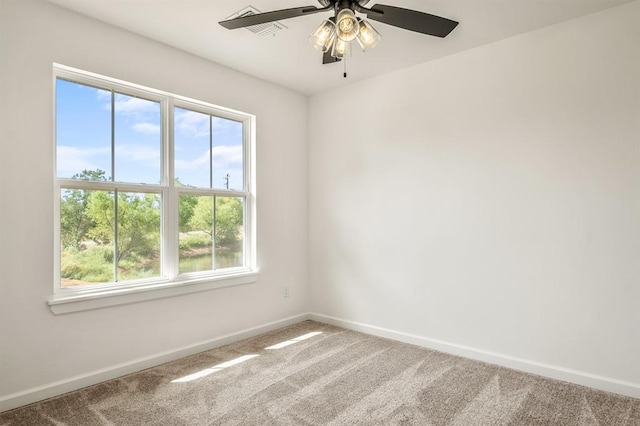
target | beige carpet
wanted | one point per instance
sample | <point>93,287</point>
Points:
<point>316,374</point>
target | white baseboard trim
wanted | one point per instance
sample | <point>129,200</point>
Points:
<point>50,390</point>
<point>559,373</point>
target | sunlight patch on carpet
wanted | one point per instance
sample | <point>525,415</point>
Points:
<point>211,370</point>
<point>295,340</point>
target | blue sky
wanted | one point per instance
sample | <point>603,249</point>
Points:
<point>83,121</point>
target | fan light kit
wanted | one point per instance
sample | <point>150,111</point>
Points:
<point>336,38</point>
<point>334,35</point>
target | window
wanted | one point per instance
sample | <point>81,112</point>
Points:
<point>151,188</point>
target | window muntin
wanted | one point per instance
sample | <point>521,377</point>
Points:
<point>126,186</point>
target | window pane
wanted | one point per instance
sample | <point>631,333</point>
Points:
<point>137,140</point>
<point>112,150</point>
<point>192,148</point>
<point>196,233</point>
<point>229,232</point>
<point>138,243</point>
<point>86,237</point>
<point>227,154</point>
<point>83,129</point>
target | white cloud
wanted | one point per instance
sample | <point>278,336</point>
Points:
<point>140,115</point>
<point>196,163</point>
<point>224,157</point>
<point>128,104</point>
<point>228,160</point>
<point>192,123</point>
<point>227,156</point>
<point>138,152</point>
<point>102,95</point>
<point>196,124</point>
<point>223,124</point>
<point>72,160</point>
<point>147,128</point>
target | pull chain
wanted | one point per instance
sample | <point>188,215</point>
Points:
<point>344,59</point>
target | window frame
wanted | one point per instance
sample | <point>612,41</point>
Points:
<point>169,278</point>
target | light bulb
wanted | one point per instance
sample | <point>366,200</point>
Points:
<point>340,48</point>
<point>347,26</point>
<point>322,37</point>
<point>368,37</point>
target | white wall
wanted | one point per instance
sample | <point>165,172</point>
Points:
<point>490,199</point>
<point>38,348</point>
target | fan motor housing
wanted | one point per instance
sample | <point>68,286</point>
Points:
<point>326,3</point>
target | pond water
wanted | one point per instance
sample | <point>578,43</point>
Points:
<point>202,262</point>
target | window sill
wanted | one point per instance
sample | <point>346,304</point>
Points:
<point>68,303</point>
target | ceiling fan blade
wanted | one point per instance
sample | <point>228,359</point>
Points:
<point>328,59</point>
<point>411,20</point>
<point>277,15</point>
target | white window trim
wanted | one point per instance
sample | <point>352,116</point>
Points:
<point>67,300</point>
<point>125,296</point>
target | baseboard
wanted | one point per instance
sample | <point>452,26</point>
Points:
<point>50,390</point>
<point>559,373</point>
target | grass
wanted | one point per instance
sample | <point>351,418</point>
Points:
<point>94,264</point>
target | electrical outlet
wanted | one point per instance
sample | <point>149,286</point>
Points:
<point>285,291</point>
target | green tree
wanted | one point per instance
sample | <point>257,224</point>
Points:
<point>229,214</point>
<point>202,218</point>
<point>186,205</point>
<point>138,223</point>
<point>91,175</point>
<point>100,210</point>
<point>229,218</point>
<point>75,222</point>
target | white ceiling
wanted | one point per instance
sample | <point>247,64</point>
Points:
<point>287,58</point>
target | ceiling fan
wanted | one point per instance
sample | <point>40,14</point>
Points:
<point>334,35</point>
